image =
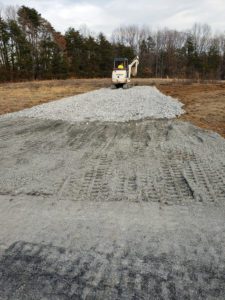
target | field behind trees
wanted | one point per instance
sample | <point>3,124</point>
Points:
<point>30,48</point>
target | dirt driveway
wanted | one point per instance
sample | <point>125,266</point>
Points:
<point>131,210</point>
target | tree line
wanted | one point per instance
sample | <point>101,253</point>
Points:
<point>30,48</point>
<point>195,53</point>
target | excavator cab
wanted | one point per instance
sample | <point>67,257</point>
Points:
<point>120,61</point>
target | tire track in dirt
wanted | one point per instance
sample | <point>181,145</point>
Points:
<point>160,161</point>
<point>42,271</point>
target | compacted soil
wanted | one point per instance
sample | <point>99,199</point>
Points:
<point>105,210</point>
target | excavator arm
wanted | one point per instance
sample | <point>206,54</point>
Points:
<point>132,67</point>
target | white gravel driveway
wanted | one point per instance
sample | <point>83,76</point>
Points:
<point>109,105</point>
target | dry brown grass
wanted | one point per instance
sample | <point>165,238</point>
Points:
<point>17,96</point>
<point>204,103</point>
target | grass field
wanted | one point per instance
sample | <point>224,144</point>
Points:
<point>204,103</point>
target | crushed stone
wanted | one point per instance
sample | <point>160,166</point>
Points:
<point>109,105</point>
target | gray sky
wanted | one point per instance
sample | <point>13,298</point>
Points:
<point>100,15</point>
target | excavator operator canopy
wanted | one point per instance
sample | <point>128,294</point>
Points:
<point>120,61</point>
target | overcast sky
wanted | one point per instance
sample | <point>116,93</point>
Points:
<point>100,15</point>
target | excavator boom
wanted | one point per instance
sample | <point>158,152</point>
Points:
<point>133,67</point>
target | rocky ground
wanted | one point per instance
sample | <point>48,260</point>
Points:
<point>111,210</point>
<point>108,105</point>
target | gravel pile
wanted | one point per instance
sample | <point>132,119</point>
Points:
<point>109,105</point>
